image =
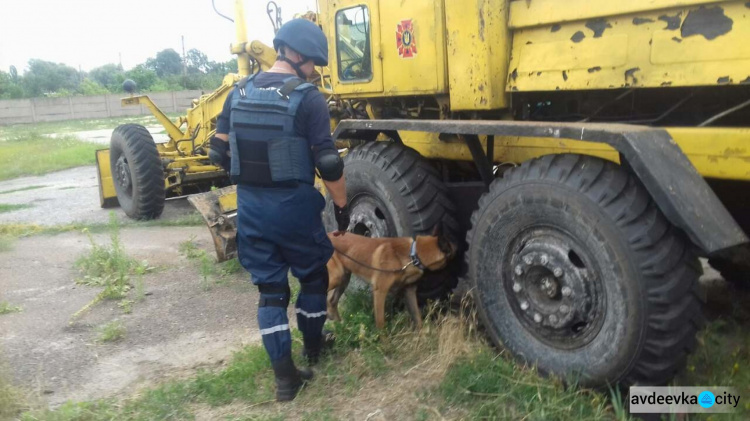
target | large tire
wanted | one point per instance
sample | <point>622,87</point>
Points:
<point>137,172</point>
<point>575,270</point>
<point>394,192</point>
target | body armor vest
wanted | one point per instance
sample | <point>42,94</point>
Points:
<point>266,150</point>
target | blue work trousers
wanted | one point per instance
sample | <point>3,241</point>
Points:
<point>280,229</point>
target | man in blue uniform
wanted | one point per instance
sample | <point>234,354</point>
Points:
<point>272,135</point>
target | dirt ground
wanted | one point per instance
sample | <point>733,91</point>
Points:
<point>178,327</point>
<point>65,197</point>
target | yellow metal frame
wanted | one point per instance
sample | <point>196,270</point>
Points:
<point>725,159</point>
<point>107,193</point>
<point>478,47</point>
<point>228,202</point>
<point>526,14</point>
<point>582,45</point>
<point>495,47</point>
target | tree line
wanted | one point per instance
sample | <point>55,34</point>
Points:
<point>165,72</point>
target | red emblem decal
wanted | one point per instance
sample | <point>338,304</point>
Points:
<point>407,46</point>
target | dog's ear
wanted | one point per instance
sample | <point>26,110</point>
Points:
<point>438,230</point>
<point>446,245</point>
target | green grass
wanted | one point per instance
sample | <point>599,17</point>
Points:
<point>111,332</point>
<point>446,371</point>
<point>12,401</point>
<point>35,154</point>
<point>6,308</point>
<point>723,354</point>
<point>211,272</point>
<point>446,349</point>
<point>11,207</point>
<point>6,243</point>
<point>26,230</point>
<point>108,267</point>
<point>71,126</point>
<point>27,149</point>
<point>491,386</point>
<point>22,189</point>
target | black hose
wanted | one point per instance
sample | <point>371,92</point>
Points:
<point>213,3</point>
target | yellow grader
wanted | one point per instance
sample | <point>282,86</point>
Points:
<point>584,153</point>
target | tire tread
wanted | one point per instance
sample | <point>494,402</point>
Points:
<point>663,256</point>
<point>146,170</point>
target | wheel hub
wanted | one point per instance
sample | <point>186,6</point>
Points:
<point>122,174</point>
<point>367,217</point>
<point>553,291</point>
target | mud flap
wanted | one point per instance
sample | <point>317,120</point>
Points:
<point>107,193</point>
<point>219,211</point>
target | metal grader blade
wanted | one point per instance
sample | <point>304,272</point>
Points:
<point>219,210</point>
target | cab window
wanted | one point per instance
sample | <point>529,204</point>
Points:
<point>353,44</point>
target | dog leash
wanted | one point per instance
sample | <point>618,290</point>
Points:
<point>412,254</point>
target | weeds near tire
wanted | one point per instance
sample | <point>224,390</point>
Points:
<point>6,308</point>
<point>210,271</point>
<point>11,399</point>
<point>111,332</point>
<point>6,243</point>
<point>109,267</point>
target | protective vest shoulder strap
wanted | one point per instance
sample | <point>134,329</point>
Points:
<point>294,84</point>
<point>289,86</point>
<point>242,83</point>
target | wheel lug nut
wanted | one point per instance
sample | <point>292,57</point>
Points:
<point>537,317</point>
<point>544,259</point>
<point>566,291</point>
<point>564,309</point>
<point>524,305</point>
<point>527,259</point>
<point>516,287</point>
<point>519,270</point>
<point>553,319</point>
<point>558,272</point>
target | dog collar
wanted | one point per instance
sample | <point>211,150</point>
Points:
<point>413,255</point>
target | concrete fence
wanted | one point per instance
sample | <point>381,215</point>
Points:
<point>35,110</point>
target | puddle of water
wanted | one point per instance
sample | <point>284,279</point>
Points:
<point>104,135</point>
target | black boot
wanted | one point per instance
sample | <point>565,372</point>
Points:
<point>289,379</point>
<point>313,352</point>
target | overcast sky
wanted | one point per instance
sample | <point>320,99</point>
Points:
<point>91,33</point>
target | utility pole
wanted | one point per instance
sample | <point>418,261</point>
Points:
<point>184,64</point>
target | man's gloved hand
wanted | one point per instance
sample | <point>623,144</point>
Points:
<point>342,217</point>
<point>218,153</point>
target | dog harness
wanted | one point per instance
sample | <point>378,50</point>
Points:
<point>414,257</point>
<point>414,260</point>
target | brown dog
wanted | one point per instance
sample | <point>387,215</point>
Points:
<point>385,263</point>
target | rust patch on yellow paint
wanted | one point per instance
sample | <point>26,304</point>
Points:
<point>673,22</point>
<point>709,22</point>
<point>729,152</point>
<point>598,26</point>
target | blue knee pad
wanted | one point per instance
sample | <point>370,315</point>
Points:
<point>311,308</point>
<point>273,321</point>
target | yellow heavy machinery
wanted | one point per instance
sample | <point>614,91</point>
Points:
<point>584,154</point>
